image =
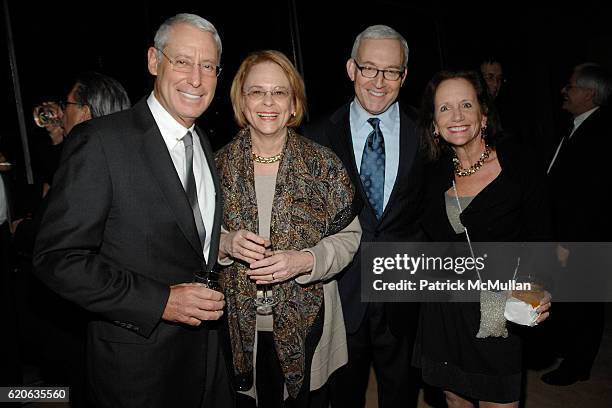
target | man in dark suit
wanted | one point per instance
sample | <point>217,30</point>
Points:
<point>378,145</point>
<point>132,230</point>
<point>580,213</point>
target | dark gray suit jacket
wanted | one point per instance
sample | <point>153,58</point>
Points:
<point>117,233</point>
<point>400,219</point>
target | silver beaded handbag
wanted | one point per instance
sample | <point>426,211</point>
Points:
<point>492,304</point>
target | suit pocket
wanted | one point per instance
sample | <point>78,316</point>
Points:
<point>117,334</point>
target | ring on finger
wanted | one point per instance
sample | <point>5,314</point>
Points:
<point>272,275</point>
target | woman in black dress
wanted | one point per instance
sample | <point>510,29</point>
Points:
<point>500,191</point>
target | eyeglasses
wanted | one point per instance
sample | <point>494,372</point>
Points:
<point>63,104</point>
<point>493,77</point>
<point>278,94</point>
<point>569,87</point>
<point>182,64</point>
<point>371,72</point>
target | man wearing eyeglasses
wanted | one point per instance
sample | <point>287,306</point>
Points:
<point>377,143</point>
<point>131,234</point>
<point>515,125</point>
<point>493,75</point>
<point>92,95</point>
<point>61,347</point>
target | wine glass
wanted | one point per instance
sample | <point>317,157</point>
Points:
<point>206,279</point>
<point>267,300</point>
<point>532,295</point>
<point>47,114</point>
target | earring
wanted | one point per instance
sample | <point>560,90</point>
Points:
<point>483,132</point>
<point>436,136</point>
<point>293,114</point>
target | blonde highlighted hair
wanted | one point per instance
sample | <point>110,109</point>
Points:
<point>298,92</point>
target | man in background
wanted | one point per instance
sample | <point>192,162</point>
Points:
<point>580,213</point>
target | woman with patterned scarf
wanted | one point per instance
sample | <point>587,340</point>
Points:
<point>289,226</point>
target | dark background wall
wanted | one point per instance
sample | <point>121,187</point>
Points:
<point>55,40</point>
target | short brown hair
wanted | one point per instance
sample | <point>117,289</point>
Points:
<point>298,91</point>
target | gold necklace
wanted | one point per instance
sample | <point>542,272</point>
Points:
<point>461,172</point>
<point>266,160</point>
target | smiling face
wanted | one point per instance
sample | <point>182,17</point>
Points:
<point>376,94</point>
<point>458,116</point>
<point>576,99</point>
<point>268,102</point>
<point>184,95</point>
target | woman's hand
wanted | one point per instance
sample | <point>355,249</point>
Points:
<point>280,266</point>
<point>543,308</point>
<point>243,245</point>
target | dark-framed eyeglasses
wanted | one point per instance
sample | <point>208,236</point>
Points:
<point>63,104</point>
<point>372,72</point>
<point>184,64</point>
<point>278,94</point>
<point>493,77</point>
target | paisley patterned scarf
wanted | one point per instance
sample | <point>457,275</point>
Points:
<point>313,199</point>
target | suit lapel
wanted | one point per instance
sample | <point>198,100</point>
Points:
<point>342,144</point>
<point>408,149</point>
<point>577,144</point>
<point>157,158</point>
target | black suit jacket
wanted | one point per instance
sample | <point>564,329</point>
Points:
<point>399,221</point>
<point>579,182</point>
<point>117,233</point>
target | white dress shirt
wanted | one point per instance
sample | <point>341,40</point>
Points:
<point>173,134</point>
<point>577,122</point>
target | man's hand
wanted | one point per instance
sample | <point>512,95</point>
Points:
<point>191,303</point>
<point>244,245</point>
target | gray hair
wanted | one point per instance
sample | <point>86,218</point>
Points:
<point>163,32</point>
<point>594,76</point>
<point>381,32</point>
<point>104,95</point>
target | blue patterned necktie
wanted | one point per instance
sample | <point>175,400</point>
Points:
<point>372,171</point>
<point>190,188</point>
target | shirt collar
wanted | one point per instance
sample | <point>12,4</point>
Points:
<point>172,131</point>
<point>361,115</point>
<point>583,116</point>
